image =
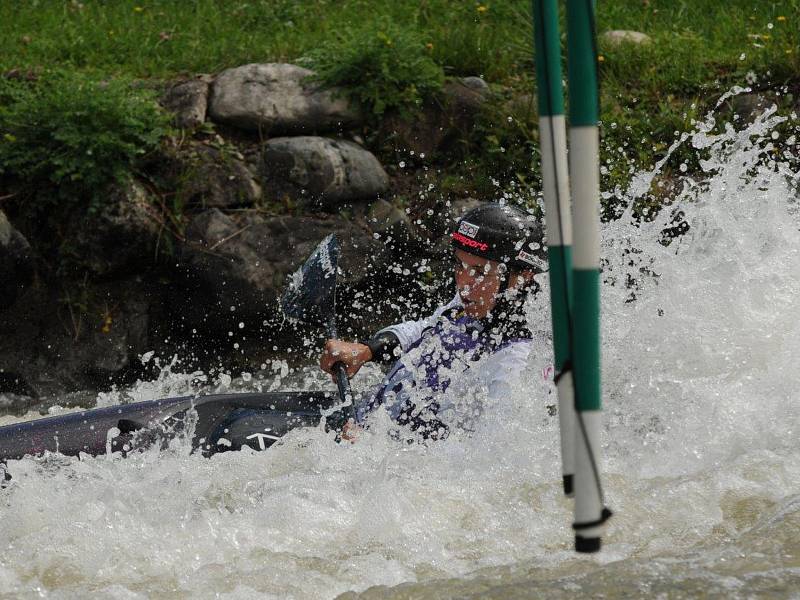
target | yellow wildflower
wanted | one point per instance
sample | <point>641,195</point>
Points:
<point>781,18</point>
<point>429,46</point>
<point>601,58</point>
<point>137,9</point>
<point>482,8</point>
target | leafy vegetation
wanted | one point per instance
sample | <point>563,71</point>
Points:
<point>76,133</point>
<point>383,69</point>
<point>699,49</point>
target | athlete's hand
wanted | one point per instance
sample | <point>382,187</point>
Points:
<point>352,355</point>
<point>350,431</point>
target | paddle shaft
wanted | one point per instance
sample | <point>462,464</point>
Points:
<point>345,393</point>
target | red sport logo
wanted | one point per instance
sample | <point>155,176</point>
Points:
<point>461,239</point>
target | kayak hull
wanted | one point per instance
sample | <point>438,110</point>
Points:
<point>220,422</point>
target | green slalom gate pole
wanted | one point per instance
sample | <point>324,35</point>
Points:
<point>590,514</point>
<point>574,279</point>
<point>555,183</point>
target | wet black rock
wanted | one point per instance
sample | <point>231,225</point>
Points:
<point>441,121</point>
<point>16,263</point>
<point>392,227</point>
<point>749,106</point>
<point>211,177</point>
<point>53,340</point>
<point>120,235</point>
<point>234,267</point>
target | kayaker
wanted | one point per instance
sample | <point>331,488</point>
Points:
<point>475,346</point>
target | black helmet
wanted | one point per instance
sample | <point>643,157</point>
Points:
<point>505,234</point>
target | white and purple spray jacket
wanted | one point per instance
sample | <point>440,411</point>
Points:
<point>447,370</point>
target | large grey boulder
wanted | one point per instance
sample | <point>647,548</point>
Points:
<point>315,171</point>
<point>277,98</point>
<point>16,262</point>
<point>188,100</point>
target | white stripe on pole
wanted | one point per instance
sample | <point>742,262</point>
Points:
<point>567,424</point>
<point>585,181</point>
<point>588,506</point>
<point>555,179</point>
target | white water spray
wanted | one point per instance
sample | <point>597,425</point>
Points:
<point>702,467</point>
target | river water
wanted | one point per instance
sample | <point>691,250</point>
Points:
<point>701,456</point>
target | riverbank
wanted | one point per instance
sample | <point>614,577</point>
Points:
<point>151,201</point>
<point>697,51</point>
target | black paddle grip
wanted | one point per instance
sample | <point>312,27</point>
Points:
<point>344,389</point>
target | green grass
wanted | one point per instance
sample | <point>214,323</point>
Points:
<point>164,38</point>
<point>696,41</point>
<point>701,41</point>
<point>700,48</point>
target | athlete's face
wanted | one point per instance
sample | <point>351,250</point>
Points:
<point>478,281</point>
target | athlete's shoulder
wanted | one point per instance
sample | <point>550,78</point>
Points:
<point>516,350</point>
<point>506,365</point>
<point>409,332</point>
<point>509,360</point>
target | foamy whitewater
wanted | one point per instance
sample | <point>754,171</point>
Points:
<point>701,457</point>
